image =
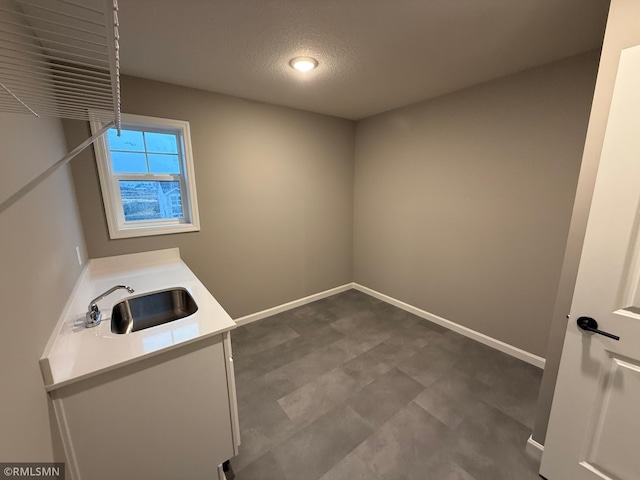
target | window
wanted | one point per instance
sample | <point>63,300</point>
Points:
<point>147,178</point>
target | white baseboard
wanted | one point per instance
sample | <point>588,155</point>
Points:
<point>295,303</point>
<point>467,332</point>
<point>534,449</point>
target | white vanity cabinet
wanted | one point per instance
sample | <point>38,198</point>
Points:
<point>171,416</point>
<point>158,403</point>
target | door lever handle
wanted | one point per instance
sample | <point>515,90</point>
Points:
<point>590,325</point>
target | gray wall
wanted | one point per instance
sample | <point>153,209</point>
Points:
<point>622,32</point>
<point>462,203</point>
<point>275,191</point>
<point>39,269</point>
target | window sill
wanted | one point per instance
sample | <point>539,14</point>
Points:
<point>153,230</point>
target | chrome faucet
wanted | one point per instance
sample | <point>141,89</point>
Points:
<point>94,315</point>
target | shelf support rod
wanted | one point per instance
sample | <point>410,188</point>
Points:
<point>53,168</point>
<point>18,99</point>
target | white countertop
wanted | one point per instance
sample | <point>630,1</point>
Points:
<point>74,353</point>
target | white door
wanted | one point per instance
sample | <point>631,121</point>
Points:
<point>594,429</point>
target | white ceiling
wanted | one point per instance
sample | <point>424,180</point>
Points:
<point>375,55</point>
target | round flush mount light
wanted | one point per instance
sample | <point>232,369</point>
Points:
<point>304,64</point>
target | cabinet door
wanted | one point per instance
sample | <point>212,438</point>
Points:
<point>166,417</point>
<point>231,385</point>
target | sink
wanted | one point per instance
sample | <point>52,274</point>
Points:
<point>151,309</point>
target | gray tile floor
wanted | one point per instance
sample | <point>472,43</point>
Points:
<point>350,388</point>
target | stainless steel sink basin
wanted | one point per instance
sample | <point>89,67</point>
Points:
<point>151,309</point>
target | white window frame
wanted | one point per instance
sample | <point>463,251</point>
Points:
<point>110,186</point>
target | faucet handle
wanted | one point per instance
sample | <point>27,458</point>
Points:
<point>93,317</point>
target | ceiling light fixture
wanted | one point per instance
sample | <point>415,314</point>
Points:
<point>304,64</point>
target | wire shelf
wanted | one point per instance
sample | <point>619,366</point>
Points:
<point>60,58</point>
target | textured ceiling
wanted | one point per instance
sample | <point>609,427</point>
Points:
<point>375,55</point>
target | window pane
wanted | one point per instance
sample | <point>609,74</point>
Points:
<point>164,163</point>
<point>129,140</point>
<point>161,142</point>
<point>125,162</point>
<point>143,200</point>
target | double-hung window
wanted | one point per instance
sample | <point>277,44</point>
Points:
<point>146,176</point>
